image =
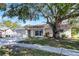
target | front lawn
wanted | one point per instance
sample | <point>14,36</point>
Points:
<point>17,51</point>
<point>55,43</point>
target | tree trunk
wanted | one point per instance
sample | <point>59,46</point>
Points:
<point>55,26</point>
<point>55,29</point>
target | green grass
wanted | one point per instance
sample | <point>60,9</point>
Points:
<point>7,51</point>
<point>70,44</point>
<point>52,42</point>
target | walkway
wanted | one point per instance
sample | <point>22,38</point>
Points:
<point>68,52</point>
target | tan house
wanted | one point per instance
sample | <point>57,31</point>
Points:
<point>45,30</point>
<point>39,30</point>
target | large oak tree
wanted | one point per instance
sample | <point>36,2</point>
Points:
<point>54,13</point>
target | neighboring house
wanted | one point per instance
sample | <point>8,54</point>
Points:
<point>5,31</point>
<point>9,32</point>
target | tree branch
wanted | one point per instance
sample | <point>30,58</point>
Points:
<point>70,16</point>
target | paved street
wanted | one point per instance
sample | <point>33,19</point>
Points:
<point>10,40</point>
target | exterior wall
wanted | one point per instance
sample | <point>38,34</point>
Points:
<point>49,30</point>
<point>32,33</point>
<point>20,32</point>
<point>26,34</point>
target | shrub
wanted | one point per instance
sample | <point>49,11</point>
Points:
<point>64,36</point>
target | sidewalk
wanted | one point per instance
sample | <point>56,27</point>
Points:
<point>68,52</point>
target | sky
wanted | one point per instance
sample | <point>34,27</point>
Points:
<point>41,20</point>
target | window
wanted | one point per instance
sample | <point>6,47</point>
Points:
<point>39,32</point>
